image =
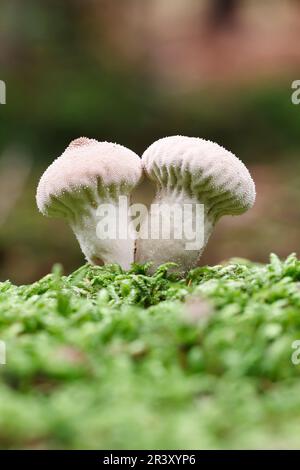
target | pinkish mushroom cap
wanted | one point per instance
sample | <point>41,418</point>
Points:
<point>87,171</point>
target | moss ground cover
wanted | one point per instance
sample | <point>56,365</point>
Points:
<point>110,359</point>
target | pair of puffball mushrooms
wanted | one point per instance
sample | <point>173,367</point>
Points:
<point>183,169</point>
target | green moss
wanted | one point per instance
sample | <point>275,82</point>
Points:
<point>107,359</point>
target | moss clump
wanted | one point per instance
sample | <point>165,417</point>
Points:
<point>110,359</point>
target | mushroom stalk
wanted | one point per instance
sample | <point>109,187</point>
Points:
<point>105,233</point>
<point>177,230</point>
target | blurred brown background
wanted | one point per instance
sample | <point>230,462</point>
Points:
<point>133,71</point>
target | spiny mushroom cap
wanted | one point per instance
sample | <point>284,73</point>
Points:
<point>88,170</point>
<point>204,170</point>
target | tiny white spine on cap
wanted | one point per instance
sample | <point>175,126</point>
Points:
<point>190,170</point>
<point>88,174</point>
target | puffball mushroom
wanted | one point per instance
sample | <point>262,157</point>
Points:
<point>88,175</point>
<point>189,172</point>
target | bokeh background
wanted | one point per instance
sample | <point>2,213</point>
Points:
<point>133,71</point>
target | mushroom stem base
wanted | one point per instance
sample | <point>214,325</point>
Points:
<point>105,235</point>
<point>176,229</point>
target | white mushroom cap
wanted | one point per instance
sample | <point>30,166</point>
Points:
<point>88,174</point>
<point>204,170</point>
<point>190,171</point>
<point>87,168</point>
